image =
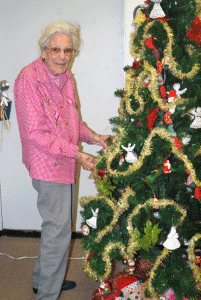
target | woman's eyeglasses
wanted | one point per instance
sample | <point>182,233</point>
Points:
<point>57,51</point>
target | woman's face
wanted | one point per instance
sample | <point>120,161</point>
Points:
<point>57,63</point>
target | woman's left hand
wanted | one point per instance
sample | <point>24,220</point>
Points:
<point>100,140</point>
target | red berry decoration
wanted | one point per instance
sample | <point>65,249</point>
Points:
<point>101,173</point>
<point>163,91</point>
<point>159,67</point>
<point>177,143</point>
<point>197,193</point>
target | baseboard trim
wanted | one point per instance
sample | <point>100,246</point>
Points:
<point>31,233</point>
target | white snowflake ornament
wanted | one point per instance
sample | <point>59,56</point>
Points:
<point>130,157</point>
<point>92,222</point>
<point>172,241</point>
<point>157,11</point>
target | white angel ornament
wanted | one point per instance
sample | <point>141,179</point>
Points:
<point>92,222</point>
<point>130,157</point>
<point>197,121</point>
<point>173,93</point>
<point>157,11</point>
<point>172,241</point>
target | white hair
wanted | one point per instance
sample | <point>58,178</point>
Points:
<point>60,27</point>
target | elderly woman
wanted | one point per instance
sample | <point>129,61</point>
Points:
<point>50,130</point>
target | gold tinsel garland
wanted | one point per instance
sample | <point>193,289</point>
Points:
<point>146,151</point>
<point>129,253</point>
<point>191,257</point>
<point>173,64</point>
<point>154,88</point>
<point>198,8</point>
<point>118,209</point>
<point>136,211</point>
<point>112,151</point>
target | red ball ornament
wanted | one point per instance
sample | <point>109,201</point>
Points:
<point>101,173</point>
<point>139,124</point>
<point>197,193</point>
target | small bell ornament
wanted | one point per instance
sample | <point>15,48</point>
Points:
<point>172,241</point>
<point>130,157</point>
<point>92,222</point>
<point>197,121</point>
<point>157,11</point>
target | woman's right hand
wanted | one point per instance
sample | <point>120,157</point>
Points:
<point>87,161</point>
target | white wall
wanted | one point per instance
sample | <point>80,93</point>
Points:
<point>98,72</point>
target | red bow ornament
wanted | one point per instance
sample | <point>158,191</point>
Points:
<point>137,65</point>
<point>151,118</point>
<point>194,32</point>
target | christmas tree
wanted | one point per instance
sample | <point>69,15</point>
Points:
<point>148,204</point>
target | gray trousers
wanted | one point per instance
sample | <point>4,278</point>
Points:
<point>56,207</point>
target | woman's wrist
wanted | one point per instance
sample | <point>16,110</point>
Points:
<point>78,156</point>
